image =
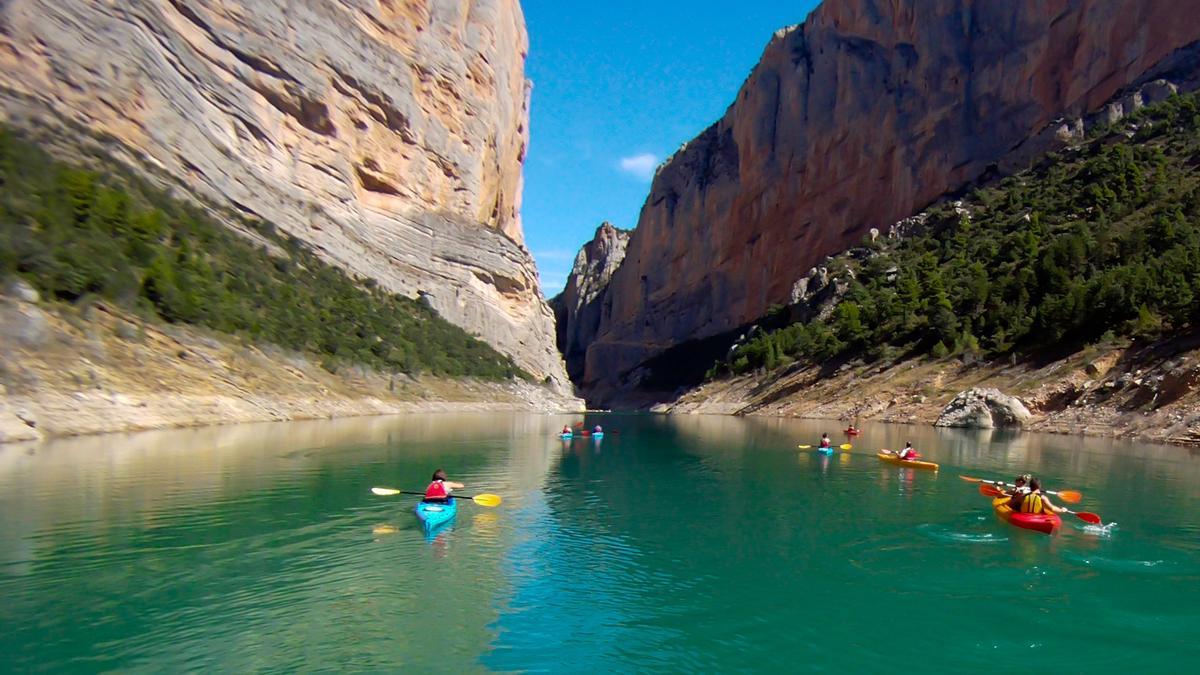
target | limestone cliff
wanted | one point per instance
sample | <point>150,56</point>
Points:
<point>579,309</point>
<point>388,134</point>
<point>861,116</point>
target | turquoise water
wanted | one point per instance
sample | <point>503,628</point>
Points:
<point>673,544</point>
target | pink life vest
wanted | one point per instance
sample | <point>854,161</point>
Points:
<point>436,490</point>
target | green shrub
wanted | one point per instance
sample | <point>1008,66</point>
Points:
<point>75,232</point>
<point>1087,246</point>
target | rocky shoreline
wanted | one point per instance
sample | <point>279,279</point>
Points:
<point>93,369</point>
<point>1149,393</point>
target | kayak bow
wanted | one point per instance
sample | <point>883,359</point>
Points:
<point>434,515</point>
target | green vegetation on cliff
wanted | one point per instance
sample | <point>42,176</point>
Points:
<point>1100,239</point>
<point>76,233</point>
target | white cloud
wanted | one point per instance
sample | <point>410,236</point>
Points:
<point>553,283</point>
<point>641,166</point>
<point>555,255</point>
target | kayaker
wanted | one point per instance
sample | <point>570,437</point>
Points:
<point>1020,486</point>
<point>597,430</point>
<point>1034,501</point>
<point>825,442</point>
<point>566,430</point>
<point>908,452</point>
<point>439,489</point>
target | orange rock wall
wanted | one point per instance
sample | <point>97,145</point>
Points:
<point>860,117</point>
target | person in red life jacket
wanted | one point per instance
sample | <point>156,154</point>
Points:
<point>1034,501</point>
<point>908,452</point>
<point>439,489</point>
<point>597,430</point>
<point>825,442</point>
<point>566,430</point>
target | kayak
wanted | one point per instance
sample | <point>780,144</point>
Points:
<point>598,434</point>
<point>566,435</point>
<point>1043,522</point>
<point>893,458</point>
<point>433,516</point>
<point>825,451</point>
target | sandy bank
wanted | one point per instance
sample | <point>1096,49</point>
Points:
<point>69,371</point>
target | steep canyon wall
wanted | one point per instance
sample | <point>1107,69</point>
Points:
<point>860,117</point>
<point>388,134</point>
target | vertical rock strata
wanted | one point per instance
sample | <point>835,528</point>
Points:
<point>579,309</point>
<point>388,134</point>
<point>856,119</point>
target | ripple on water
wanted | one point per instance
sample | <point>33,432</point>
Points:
<point>952,535</point>
<point>1156,567</point>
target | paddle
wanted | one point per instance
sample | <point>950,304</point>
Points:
<point>843,446</point>
<point>1085,516</point>
<point>1068,496</point>
<point>482,500</point>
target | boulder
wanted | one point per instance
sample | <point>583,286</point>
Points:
<point>21,290</point>
<point>982,408</point>
<point>22,324</point>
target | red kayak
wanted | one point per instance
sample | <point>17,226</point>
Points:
<point>1046,523</point>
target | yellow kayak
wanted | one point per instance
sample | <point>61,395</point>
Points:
<point>893,458</point>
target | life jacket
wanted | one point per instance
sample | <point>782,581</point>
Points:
<point>909,453</point>
<point>1032,503</point>
<point>436,490</point>
<point>826,443</point>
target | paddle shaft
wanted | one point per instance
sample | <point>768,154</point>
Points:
<point>1069,496</point>
<point>422,494</point>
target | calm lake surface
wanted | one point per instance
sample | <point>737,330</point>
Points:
<point>673,544</point>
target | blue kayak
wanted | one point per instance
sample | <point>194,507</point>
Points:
<point>825,451</point>
<point>598,434</point>
<point>566,435</point>
<point>434,515</point>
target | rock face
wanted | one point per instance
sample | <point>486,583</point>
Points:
<point>388,134</point>
<point>860,117</point>
<point>984,409</point>
<point>579,309</point>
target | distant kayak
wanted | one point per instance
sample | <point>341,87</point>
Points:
<point>598,434</point>
<point>1046,523</point>
<point>433,516</point>
<point>893,458</point>
<point>566,435</point>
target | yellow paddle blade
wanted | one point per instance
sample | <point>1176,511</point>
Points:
<point>845,446</point>
<point>804,447</point>
<point>487,500</point>
<point>385,492</point>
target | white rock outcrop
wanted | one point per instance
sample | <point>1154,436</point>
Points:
<point>984,408</point>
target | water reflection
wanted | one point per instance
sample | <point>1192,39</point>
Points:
<point>672,543</point>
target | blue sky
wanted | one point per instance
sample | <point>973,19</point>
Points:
<point>617,87</point>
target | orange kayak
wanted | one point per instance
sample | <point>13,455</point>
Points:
<point>893,458</point>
